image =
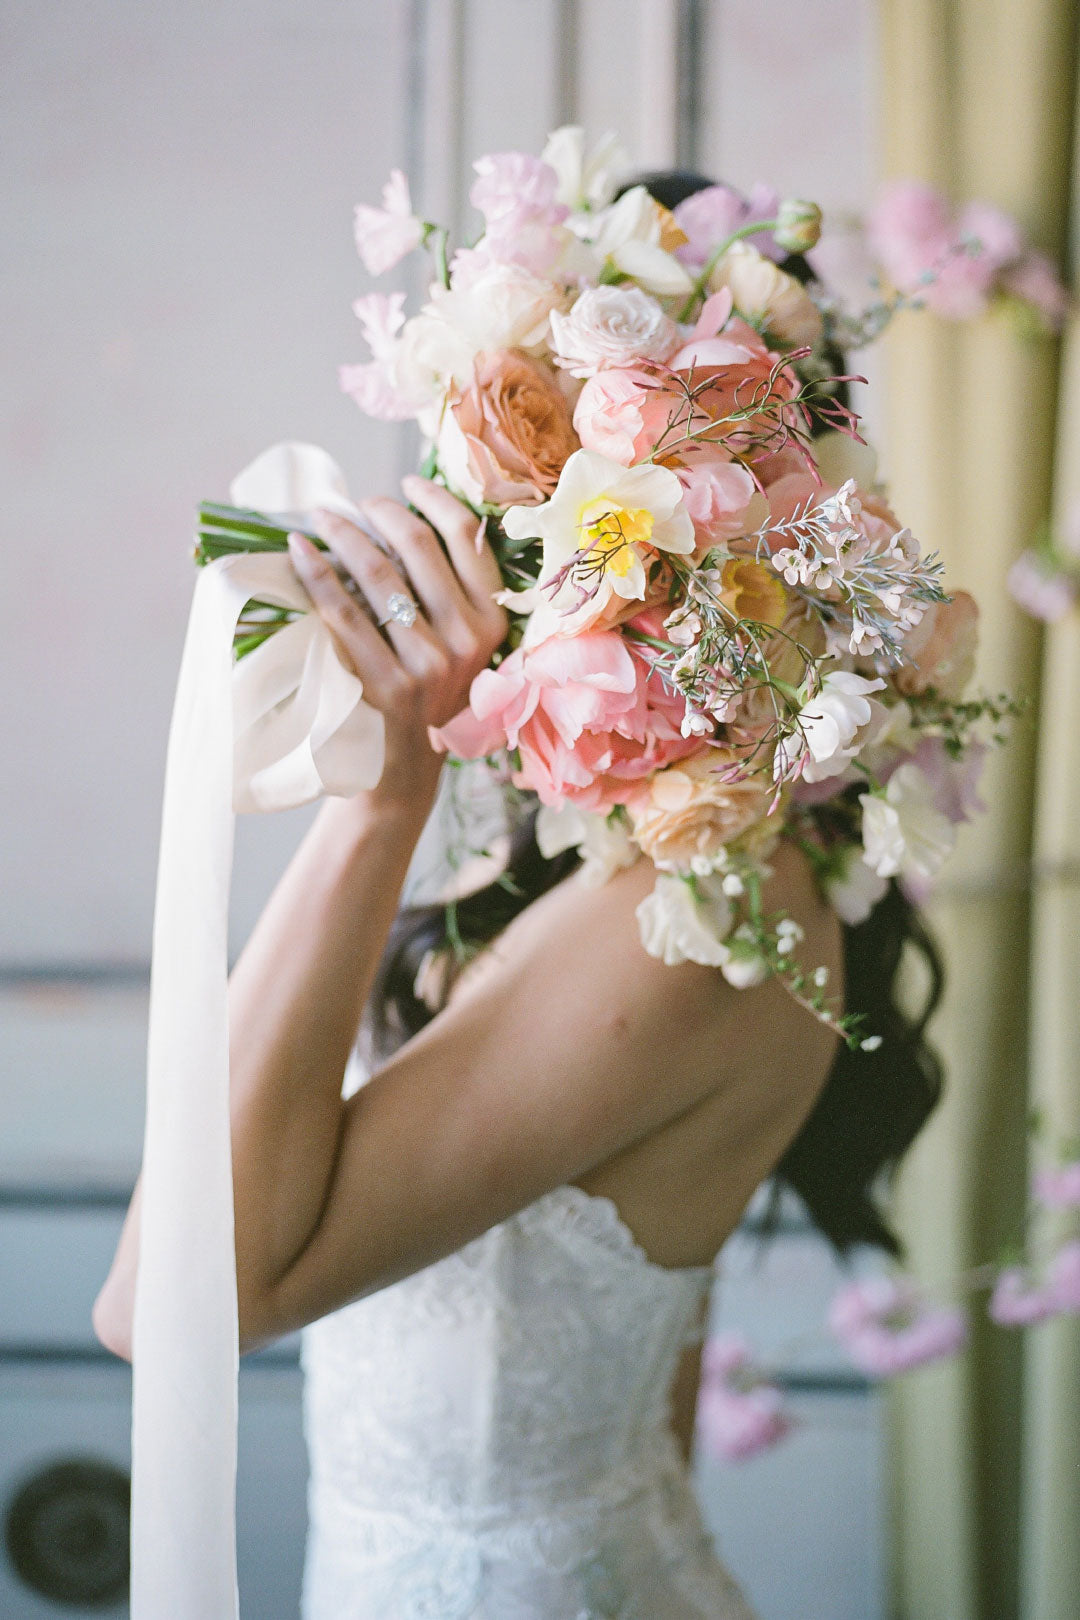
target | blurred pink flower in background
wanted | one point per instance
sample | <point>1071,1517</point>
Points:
<point>1058,1187</point>
<point>1038,587</point>
<point>384,235</point>
<point>738,1413</point>
<point>887,1327</point>
<point>953,261</point>
<point>1018,1301</point>
<point>1063,1278</point>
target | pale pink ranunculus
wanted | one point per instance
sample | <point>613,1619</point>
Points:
<point>1041,589</point>
<point>887,1327</point>
<point>1058,1186</point>
<point>587,713</point>
<point>717,494</point>
<point>1063,1278</point>
<point>940,650</point>
<point>711,215</point>
<point>1018,1301</point>
<point>738,1413</point>
<point>385,235</point>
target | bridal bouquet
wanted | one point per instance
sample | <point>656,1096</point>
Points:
<point>719,630</point>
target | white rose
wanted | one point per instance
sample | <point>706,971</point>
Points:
<point>611,326</point>
<point>855,889</point>
<point>677,926</point>
<point>763,292</point>
<point>603,842</point>
<point>830,721</point>
<point>904,833</point>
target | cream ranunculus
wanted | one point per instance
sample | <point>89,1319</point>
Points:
<point>764,293</point>
<point>682,921</point>
<point>602,527</point>
<point>904,833</point>
<point>694,809</point>
<point>611,326</point>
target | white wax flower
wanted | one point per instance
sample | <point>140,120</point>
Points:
<point>855,889</point>
<point>904,833</point>
<point>603,842</point>
<point>830,722</point>
<point>683,924</point>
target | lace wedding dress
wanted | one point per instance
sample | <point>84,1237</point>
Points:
<point>489,1438</point>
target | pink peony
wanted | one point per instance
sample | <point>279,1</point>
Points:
<point>1041,589</point>
<point>384,235</point>
<point>717,495</point>
<point>1063,1278</point>
<point>887,1328</point>
<point>1058,1188</point>
<point>710,216</point>
<point>586,712</point>
<point>738,1414</point>
<point>1017,1301</point>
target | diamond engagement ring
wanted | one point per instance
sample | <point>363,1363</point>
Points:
<point>400,609</point>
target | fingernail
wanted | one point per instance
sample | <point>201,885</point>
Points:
<point>300,547</point>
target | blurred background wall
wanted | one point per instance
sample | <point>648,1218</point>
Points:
<point>177,274</point>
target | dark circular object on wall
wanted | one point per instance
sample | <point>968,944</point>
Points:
<point>66,1532</point>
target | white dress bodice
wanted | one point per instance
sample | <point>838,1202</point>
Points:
<point>489,1439</point>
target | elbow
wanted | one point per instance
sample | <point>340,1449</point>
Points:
<point>112,1323</point>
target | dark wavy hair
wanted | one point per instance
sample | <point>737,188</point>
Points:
<point>872,1105</point>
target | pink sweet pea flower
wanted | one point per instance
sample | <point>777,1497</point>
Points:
<point>955,782</point>
<point>1063,1278</point>
<point>738,1414</point>
<point>378,386</point>
<point>887,1327</point>
<point>586,712</point>
<point>1017,1301</point>
<point>710,216</point>
<point>1058,1188</point>
<point>1034,279</point>
<point>384,235</point>
<point>513,187</point>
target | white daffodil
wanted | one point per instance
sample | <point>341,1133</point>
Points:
<point>603,842</point>
<point>904,833</point>
<point>586,179</point>
<point>637,236</point>
<point>681,922</point>
<point>600,529</point>
<point>830,721</point>
<point>854,889</point>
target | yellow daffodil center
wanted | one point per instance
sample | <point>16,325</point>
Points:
<point>609,533</point>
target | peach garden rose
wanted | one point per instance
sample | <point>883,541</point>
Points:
<point>506,436</point>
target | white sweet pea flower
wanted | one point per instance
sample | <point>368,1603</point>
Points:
<point>855,888</point>
<point>637,236</point>
<point>603,842</point>
<point>611,326</point>
<point>830,721</point>
<point>904,833</point>
<point>680,923</point>
<point>586,179</point>
<point>600,530</point>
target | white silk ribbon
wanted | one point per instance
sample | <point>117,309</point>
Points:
<point>284,725</point>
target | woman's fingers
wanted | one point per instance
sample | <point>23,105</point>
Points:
<point>428,567</point>
<point>462,532</point>
<point>385,588</point>
<point>360,646</point>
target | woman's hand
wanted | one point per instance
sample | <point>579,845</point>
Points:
<point>418,675</point>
